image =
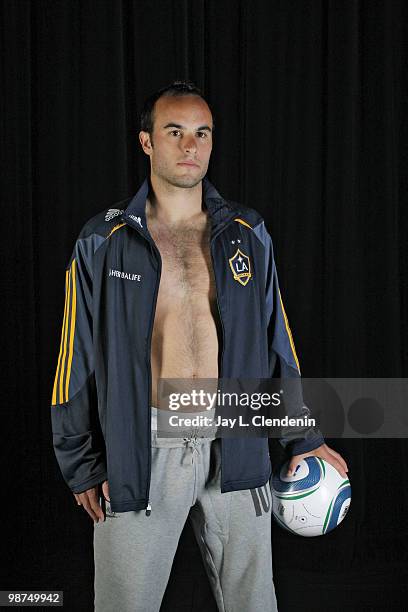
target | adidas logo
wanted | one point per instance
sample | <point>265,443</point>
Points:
<point>112,212</point>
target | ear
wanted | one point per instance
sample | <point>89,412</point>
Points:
<point>144,139</point>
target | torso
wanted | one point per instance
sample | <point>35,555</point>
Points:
<point>185,339</point>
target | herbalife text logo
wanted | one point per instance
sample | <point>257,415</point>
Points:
<point>127,275</point>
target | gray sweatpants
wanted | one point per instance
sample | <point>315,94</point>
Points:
<point>134,553</point>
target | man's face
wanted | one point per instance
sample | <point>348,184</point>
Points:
<point>182,132</point>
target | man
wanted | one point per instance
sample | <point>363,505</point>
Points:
<point>151,293</point>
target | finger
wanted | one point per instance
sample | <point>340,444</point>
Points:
<point>339,458</point>
<point>105,489</point>
<point>94,505</point>
<point>88,499</point>
<point>78,501</point>
<point>292,466</point>
<point>87,506</point>
<point>336,464</point>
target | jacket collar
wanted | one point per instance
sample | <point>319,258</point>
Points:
<point>219,209</point>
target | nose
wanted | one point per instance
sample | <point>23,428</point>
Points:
<point>189,144</point>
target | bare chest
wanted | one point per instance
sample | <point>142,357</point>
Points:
<point>186,262</point>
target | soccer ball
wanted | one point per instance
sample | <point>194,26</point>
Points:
<point>313,500</point>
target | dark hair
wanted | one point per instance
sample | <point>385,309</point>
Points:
<point>177,88</point>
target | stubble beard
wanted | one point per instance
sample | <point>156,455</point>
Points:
<point>185,181</point>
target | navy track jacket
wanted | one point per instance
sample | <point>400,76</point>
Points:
<point>101,398</point>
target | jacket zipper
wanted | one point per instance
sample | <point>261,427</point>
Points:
<point>222,326</point>
<point>149,468</point>
<point>219,311</point>
<point>217,293</point>
<point>149,408</point>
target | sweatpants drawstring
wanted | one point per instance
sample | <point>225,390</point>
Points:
<point>193,444</point>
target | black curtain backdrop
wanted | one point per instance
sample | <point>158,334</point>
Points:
<point>309,101</point>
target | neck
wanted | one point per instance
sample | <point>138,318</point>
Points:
<point>171,204</point>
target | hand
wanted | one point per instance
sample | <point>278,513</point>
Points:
<point>89,500</point>
<point>324,452</point>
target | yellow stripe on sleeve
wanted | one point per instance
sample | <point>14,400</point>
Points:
<point>54,391</point>
<point>292,344</point>
<point>72,329</point>
<point>64,352</point>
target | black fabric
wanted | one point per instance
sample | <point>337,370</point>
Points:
<point>309,102</point>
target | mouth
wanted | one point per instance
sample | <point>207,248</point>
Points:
<point>188,163</point>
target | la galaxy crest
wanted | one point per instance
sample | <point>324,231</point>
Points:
<point>240,265</point>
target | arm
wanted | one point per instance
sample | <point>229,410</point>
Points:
<point>283,361</point>
<point>304,441</point>
<point>77,436</point>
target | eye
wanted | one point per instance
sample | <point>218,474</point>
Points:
<point>202,134</point>
<point>174,131</point>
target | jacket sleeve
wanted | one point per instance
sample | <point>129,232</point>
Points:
<point>283,362</point>
<point>77,437</point>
